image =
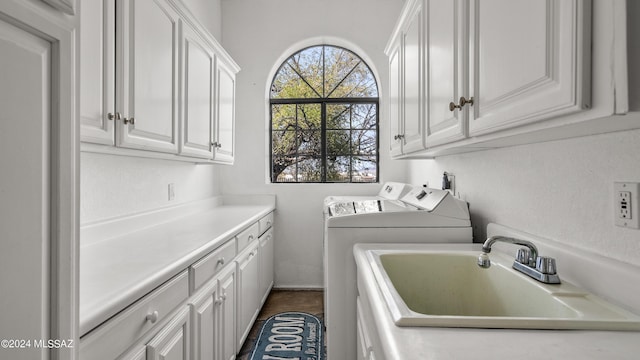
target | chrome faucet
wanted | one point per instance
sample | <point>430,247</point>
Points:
<point>527,261</point>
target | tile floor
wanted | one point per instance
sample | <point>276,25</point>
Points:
<point>309,301</point>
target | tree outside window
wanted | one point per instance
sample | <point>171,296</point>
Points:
<point>324,118</point>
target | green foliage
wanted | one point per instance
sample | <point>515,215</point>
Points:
<point>315,74</point>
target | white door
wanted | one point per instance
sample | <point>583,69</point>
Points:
<point>413,75</point>
<point>266,264</point>
<point>173,341</point>
<point>197,97</point>
<point>147,90</point>
<point>227,330</point>
<point>225,120</point>
<point>205,311</point>
<point>26,127</point>
<point>395,98</point>
<point>97,72</point>
<point>247,292</point>
<point>446,62</point>
<point>529,61</point>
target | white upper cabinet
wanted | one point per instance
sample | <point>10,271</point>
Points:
<point>446,64</point>
<point>225,119</point>
<point>97,71</point>
<point>169,91</point>
<point>505,72</point>
<point>197,97</point>
<point>147,75</point>
<point>529,61</point>
<point>394,52</point>
<point>413,44</point>
<point>406,82</point>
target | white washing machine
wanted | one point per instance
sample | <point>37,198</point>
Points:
<point>389,191</point>
<point>421,215</point>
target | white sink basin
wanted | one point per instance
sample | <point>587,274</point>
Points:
<point>447,288</point>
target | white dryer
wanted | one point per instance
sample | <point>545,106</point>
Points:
<point>422,215</point>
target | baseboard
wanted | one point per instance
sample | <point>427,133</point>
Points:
<point>298,288</point>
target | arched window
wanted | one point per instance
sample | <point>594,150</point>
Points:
<point>324,118</point>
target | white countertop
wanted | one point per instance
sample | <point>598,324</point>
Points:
<point>432,343</point>
<point>116,272</point>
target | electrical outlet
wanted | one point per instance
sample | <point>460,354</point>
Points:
<point>172,191</point>
<point>626,204</point>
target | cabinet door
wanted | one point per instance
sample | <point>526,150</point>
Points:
<point>395,96</point>
<point>227,330</point>
<point>138,353</point>
<point>173,341</point>
<point>247,292</point>
<point>225,119</point>
<point>529,61</point>
<point>205,316</point>
<point>446,62</point>
<point>27,70</point>
<point>197,95</point>
<point>97,72</point>
<point>413,76</point>
<point>265,255</point>
<point>147,81</point>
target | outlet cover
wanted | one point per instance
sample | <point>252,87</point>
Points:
<point>625,204</point>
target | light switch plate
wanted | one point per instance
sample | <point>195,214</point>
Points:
<point>626,201</point>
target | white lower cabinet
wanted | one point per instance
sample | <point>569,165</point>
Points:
<point>248,301</point>
<point>227,315</point>
<point>265,260</point>
<point>203,313</point>
<point>174,340</point>
<point>213,311</point>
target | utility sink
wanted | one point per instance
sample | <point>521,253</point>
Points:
<point>448,288</point>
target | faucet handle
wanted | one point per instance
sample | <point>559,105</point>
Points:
<point>523,256</point>
<point>546,265</point>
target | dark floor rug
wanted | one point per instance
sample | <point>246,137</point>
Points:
<point>290,335</point>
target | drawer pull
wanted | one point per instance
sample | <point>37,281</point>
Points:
<point>268,224</point>
<point>251,237</point>
<point>220,261</point>
<point>153,317</point>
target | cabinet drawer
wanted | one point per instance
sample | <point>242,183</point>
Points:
<point>114,336</point>
<point>265,223</point>
<point>204,269</point>
<point>247,236</point>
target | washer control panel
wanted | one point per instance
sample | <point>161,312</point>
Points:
<point>425,198</point>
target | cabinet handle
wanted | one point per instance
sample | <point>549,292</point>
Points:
<point>463,102</point>
<point>218,301</point>
<point>398,137</point>
<point>220,261</point>
<point>130,120</point>
<point>112,116</point>
<point>216,144</point>
<point>251,237</point>
<point>153,317</point>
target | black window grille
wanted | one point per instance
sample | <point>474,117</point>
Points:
<point>324,118</point>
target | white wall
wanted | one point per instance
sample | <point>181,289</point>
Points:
<point>113,186</point>
<point>209,13</point>
<point>561,190</point>
<point>259,35</point>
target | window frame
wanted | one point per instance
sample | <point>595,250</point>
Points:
<point>323,102</point>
